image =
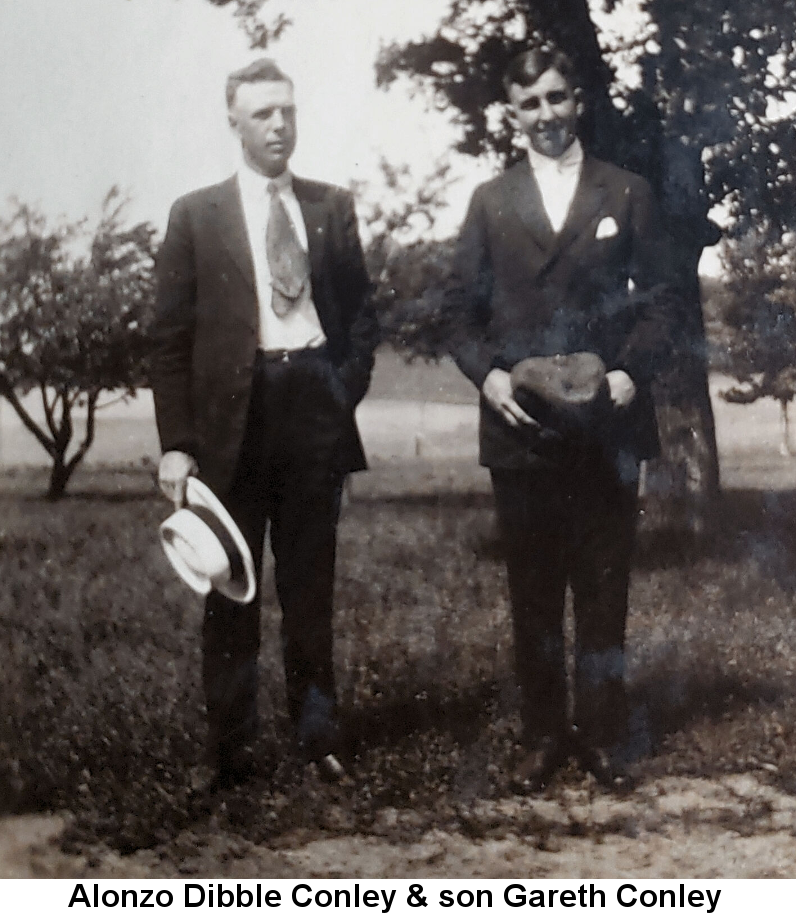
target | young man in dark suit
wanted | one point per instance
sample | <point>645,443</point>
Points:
<point>563,254</point>
<point>263,346</point>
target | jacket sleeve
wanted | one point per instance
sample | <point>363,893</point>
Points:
<point>657,298</point>
<point>467,296</point>
<point>357,293</point>
<point>172,334</point>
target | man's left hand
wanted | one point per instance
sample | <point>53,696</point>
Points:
<point>622,388</point>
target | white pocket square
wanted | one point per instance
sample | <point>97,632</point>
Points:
<point>607,228</point>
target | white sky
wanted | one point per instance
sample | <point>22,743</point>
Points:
<point>131,92</point>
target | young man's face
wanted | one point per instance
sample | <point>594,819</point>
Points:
<point>263,115</point>
<point>547,111</point>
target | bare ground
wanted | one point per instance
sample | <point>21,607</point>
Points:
<point>734,827</point>
<point>684,827</point>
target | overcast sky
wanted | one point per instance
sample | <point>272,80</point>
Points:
<point>130,92</point>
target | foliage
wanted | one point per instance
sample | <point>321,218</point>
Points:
<point>259,33</point>
<point>725,75</point>
<point>408,265</point>
<point>716,71</point>
<point>759,318</point>
<point>72,325</point>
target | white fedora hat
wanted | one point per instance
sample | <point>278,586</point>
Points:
<point>206,548</point>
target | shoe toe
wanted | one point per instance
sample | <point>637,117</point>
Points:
<point>537,766</point>
<point>331,770</point>
<point>611,772</point>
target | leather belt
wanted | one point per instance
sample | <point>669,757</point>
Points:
<point>287,355</point>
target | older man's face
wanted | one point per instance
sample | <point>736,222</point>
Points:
<point>547,111</point>
<point>263,115</point>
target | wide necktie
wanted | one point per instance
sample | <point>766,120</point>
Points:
<point>287,260</point>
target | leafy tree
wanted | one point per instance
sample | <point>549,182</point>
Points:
<point>758,311</point>
<point>72,325</point>
<point>408,266</point>
<point>710,73</point>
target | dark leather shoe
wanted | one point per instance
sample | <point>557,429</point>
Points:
<point>538,765</point>
<point>331,770</point>
<point>611,771</point>
<point>234,768</point>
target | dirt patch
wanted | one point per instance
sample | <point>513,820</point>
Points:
<point>734,827</point>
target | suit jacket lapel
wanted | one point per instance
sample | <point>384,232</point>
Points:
<point>523,195</point>
<point>232,229</point>
<point>587,202</point>
<point>314,211</point>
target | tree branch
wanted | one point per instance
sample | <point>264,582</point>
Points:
<point>88,440</point>
<point>26,419</point>
<point>48,411</point>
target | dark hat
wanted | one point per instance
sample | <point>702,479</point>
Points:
<point>568,393</point>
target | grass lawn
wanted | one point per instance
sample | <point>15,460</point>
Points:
<point>100,702</point>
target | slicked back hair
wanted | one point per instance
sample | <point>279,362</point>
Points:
<point>263,70</point>
<point>526,68</point>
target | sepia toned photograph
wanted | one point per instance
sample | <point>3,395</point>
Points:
<point>396,474</point>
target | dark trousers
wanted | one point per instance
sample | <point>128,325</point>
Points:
<point>288,475</point>
<point>573,524</point>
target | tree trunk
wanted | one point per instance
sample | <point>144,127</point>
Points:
<point>784,447</point>
<point>59,477</point>
<point>62,470</point>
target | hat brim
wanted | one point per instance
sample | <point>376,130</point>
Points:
<point>242,588</point>
<point>181,551</point>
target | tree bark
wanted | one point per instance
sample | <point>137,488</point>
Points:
<point>59,477</point>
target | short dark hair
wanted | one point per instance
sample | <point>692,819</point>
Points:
<point>526,68</point>
<point>263,70</point>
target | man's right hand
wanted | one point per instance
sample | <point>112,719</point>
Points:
<point>173,472</point>
<point>499,394</point>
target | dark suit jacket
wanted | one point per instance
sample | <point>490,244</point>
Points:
<point>207,320</point>
<point>518,289</point>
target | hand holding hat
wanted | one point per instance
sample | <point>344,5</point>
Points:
<point>173,472</point>
<point>206,548</point>
<point>499,393</point>
<point>567,393</point>
<point>621,387</point>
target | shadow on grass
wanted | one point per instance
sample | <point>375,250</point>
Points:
<point>121,497</point>
<point>745,522</point>
<point>104,484</point>
<point>411,713</point>
<point>442,499</point>
<point>664,704</point>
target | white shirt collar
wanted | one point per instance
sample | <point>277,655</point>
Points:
<point>569,161</point>
<point>255,183</point>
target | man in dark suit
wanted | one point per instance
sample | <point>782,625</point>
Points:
<point>564,254</point>
<point>263,346</point>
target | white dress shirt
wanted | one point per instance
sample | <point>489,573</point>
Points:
<point>557,181</point>
<point>300,328</point>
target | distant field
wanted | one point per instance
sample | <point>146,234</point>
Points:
<point>417,410</point>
